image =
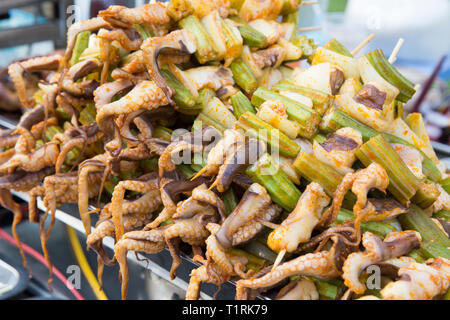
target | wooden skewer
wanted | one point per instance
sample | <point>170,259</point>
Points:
<point>213,185</point>
<point>308,3</point>
<point>363,44</point>
<point>305,29</point>
<point>267,223</point>
<point>417,87</point>
<point>278,259</point>
<point>394,53</point>
<point>427,85</point>
<point>94,211</point>
<point>198,174</point>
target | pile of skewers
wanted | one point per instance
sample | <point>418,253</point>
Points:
<point>185,126</point>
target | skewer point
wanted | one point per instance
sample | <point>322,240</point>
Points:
<point>396,50</point>
<point>213,185</point>
<point>198,174</point>
<point>279,258</point>
<point>267,223</point>
<point>305,29</point>
<point>308,3</point>
<point>93,211</point>
<point>363,44</point>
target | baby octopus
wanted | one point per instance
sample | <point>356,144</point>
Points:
<point>16,72</point>
<point>197,141</point>
<point>230,156</point>
<point>218,268</point>
<point>57,190</point>
<point>78,27</point>
<point>179,41</point>
<point>396,244</point>
<point>360,182</point>
<point>420,281</point>
<point>137,213</point>
<point>187,224</point>
<point>123,17</point>
<point>73,138</point>
<point>247,219</point>
<point>144,184</point>
<point>239,227</point>
<point>145,95</point>
<point>126,160</point>
<point>151,241</point>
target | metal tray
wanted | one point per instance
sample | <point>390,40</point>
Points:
<point>13,280</point>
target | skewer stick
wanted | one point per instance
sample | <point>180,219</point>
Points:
<point>198,174</point>
<point>417,87</point>
<point>363,44</point>
<point>267,223</point>
<point>94,211</point>
<point>308,3</point>
<point>305,29</point>
<point>213,185</point>
<point>278,259</point>
<point>394,53</point>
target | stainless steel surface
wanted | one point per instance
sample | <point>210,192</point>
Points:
<point>54,30</point>
<point>9,278</point>
<point>29,34</point>
<point>5,5</point>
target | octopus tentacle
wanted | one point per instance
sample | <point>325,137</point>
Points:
<point>360,182</point>
<point>89,166</point>
<point>189,230</point>
<point>32,162</point>
<point>24,181</point>
<point>60,189</point>
<point>324,264</point>
<point>7,201</point>
<point>38,191</point>
<point>129,39</point>
<point>76,137</point>
<point>6,155</point>
<point>76,28</point>
<point>138,213</point>
<point>123,17</point>
<point>142,241</point>
<point>204,274</point>
<point>255,199</point>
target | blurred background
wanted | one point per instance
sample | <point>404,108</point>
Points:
<point>36,27</point>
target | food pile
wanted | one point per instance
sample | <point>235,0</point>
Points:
<point>188,129</point>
